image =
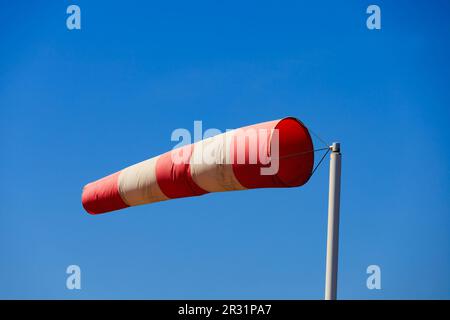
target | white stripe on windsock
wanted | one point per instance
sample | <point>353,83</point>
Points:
<point>211,165</point>
<point>138,185</point>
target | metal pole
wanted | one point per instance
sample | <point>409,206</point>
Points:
<point>333,222</point>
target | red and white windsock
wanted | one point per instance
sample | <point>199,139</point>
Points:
<point>273,154</point>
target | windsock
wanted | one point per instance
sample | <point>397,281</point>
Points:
<point>273,154</point>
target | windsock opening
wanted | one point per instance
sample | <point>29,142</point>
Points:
<point>294,153</point>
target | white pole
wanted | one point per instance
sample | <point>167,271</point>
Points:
<point>333,222</point>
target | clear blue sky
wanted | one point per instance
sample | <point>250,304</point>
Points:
<point>77,105</point>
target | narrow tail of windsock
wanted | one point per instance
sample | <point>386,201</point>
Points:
<point>272,154</point>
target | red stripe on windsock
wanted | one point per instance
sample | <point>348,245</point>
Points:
<point>296,156</point>
<point>174,176</point>
<point>102,195</point>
